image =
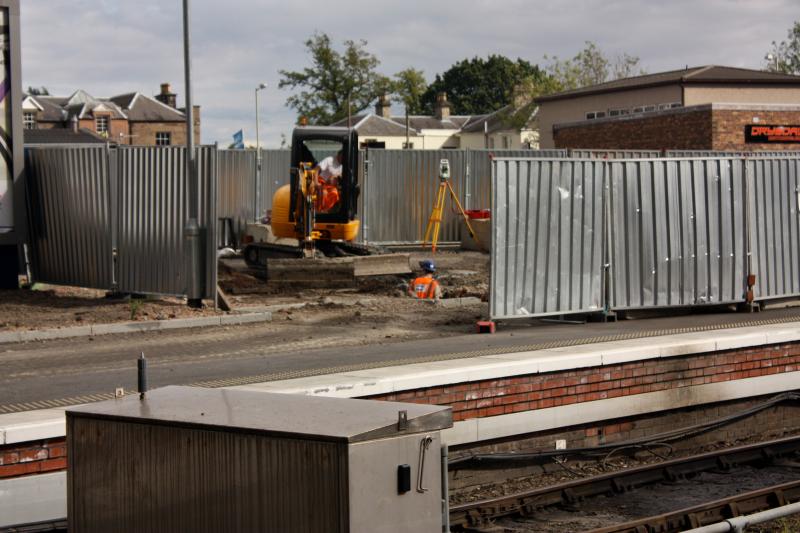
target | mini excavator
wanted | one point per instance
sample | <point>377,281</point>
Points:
<point>319,209</point>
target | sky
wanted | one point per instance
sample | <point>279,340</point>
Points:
<point>109,47</point>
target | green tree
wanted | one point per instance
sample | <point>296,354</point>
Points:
<point>333,77</point>
<point>787,53</point>
<point>478,85</point>
<point>409,86</point>
<point>590,66</point>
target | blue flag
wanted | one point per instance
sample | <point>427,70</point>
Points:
<point>238,140</point>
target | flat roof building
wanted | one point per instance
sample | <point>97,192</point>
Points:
<point>701,108</point>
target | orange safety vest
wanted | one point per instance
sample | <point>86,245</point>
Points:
<point>424,287</point>
<point>327,197</point>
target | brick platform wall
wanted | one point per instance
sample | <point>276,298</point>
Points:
<point>772,423</point>
<point>540,391</point>
<point>33,457</point>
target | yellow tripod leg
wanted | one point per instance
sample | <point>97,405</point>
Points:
<point>435,219</point>
<point>463,213</point>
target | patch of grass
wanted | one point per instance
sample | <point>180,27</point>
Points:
<point>134,305</point>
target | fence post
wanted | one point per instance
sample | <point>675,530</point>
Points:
<point>113,162</point>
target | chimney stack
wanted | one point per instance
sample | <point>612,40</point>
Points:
<point>167,96</point>
<point>383,107</point>
<point>442,107</point>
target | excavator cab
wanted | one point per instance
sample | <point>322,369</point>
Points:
<point>321,199</point>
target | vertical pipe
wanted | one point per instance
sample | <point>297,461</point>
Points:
<point>194,265</point>
<point>445,492</point>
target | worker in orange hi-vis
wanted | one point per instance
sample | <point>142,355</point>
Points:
<point>329,172</point>
<point>425,287</point>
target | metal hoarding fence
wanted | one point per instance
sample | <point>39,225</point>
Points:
<point>580,153</point>
<point>722,153</point>
<point>70,211</point>
<point>236,192</point>
<point>547,241</point>
<point>274,174</point>
<point>113,218</point>
<point>677,232</point>
<point>398,189</point>
<point>774,228</point>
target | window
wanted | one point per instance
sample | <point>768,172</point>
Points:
<point>408,145</point>
<point>491,142</point>
<point>590,115</point>
<point>163,138</point>
<point>505,142</point>
<point>649,108</point>
<point>29,121</point>
<point>613,112</point>
<point>600,114</point>
<point>675,104</point>
<point>663,107</point>
<point>101,125</point>
<point>638,109</point>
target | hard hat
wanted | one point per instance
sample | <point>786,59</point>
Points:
<point>427,265</point>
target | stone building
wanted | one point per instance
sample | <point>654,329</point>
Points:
<point>702,108</point>
<point>442,130</point>
<point>131,118</point>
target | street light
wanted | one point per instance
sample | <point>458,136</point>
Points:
<point>772,57</point>
<point>257,188</point>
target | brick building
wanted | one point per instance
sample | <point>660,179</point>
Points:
<point>131,118</point>
<point>702,108</point>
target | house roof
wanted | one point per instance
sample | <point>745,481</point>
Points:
<point>132,106</point>
<point>709,74</point>
<point>498,120</point>
<point>372,124</point>
<point>61,136</point>
<point>142,108</point>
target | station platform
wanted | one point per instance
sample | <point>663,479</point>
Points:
<point>508,386</point>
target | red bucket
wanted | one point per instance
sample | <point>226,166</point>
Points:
<point>478,214</point>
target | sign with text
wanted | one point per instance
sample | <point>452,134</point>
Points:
<point>768,133</point>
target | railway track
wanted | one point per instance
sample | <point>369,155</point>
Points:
<point>479,515</point>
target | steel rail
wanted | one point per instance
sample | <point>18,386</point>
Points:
<point>474,514</point>
<point>712,512</point>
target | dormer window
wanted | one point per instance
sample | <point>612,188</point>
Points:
<point>29,120</point>
<point>101,124</point>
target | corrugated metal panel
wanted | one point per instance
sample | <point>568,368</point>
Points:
<point>677,230</point>
<point>201,480</point>
<point>399,190</point>
<point>71,213</point>
<point>714,153</point>
<point>614,154</point>
<point>152,213</point>
<point>274,174</point>
<point>235,185</point>
<point>399,187</point>
<point>547,241</point>
<point>774,198</point>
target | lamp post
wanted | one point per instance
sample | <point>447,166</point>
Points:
<point>773,57</point>
<point>257,188</point>
<point>195,274</point>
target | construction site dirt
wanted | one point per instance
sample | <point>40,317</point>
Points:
<point>378,304</point>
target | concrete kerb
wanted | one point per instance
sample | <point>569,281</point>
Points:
<point>132,327</point>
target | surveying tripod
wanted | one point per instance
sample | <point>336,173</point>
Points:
<point>435,220</point>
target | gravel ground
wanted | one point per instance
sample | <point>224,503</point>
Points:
<point>652,500</point>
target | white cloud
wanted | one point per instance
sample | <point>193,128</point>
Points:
<point>110,46</point>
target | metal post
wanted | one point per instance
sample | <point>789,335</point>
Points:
<point>445,492</point>
<point>194,254</point>
<point>257,184</point>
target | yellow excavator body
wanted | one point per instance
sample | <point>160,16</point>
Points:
<point>284,228</point>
